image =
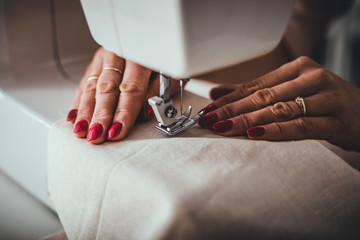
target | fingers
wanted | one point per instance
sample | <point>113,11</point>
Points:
<point>95,64</point>
<point>107,94</point>
<point>221,91</point>
<point>279,112</point>
<point>106,104</point>
<point>71,117</point>
<point>300,128</point>
<point>269,112</point>
<point>303,85</point>
<point>282,111</point>
<point>285,73</point>
<point>133,91</point>
<point>87,100</point>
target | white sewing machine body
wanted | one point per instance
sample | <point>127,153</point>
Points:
<point>45,46</point>
<point>184,38</point>
<point>180,37</point>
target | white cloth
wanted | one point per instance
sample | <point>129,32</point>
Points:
<point>200,185</point>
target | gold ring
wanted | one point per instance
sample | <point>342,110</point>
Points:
<point>301,104</point>
<point>93,77</point>
<point>114,69</point>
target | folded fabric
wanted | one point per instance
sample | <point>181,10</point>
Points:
<point>198,185</point>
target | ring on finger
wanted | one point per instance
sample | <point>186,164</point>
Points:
<point>93,77</point>
<point>114,69</point>
<point>301,104</point>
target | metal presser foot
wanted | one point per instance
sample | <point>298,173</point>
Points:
<point>165,111</point>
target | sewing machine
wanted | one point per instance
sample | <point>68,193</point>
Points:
<point>45,47</point>
<point>184,38</point>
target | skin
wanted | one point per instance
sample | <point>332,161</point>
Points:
<point>333,105</point>
<point>114,98</point>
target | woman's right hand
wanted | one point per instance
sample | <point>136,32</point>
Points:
<point>111,96</point>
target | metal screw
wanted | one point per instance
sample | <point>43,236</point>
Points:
<point>170,111</point>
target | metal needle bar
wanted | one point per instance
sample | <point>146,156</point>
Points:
<point>181,96</point>
<point>182,81</point>
<point>165,85</point>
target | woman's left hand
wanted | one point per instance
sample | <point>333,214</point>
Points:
<point>265,109</point>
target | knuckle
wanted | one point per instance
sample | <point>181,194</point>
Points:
<point>85,111</point>
<point>303,126</point>
<point>245,120</point>
<point>227,111</point>
<point>90,87</point>
<point>224,100</point>
<point>125,113</point>
<point>228,98</point>
<point>263,97</point>
<point>282,111</point>
<point>131,87</point>
<point>117,112</point>
<point>102,115</point>
<point>106,87</point>
<point>303,62</point>
<point>278,129</point>
<point>321,75</point>
<point>252,86</point>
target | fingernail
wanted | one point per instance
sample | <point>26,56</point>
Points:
<point>149,111</point>
<point>95,132</point>
<point>223,126</point>
<point>208,120</point>
<point>208,108</point>
<point>255,132</point>
<point>71,114</point>
<point>114,130</point>
<point>81,126</point>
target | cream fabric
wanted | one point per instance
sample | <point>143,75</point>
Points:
<point>200,185</point>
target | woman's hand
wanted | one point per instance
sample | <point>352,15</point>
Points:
<point>265,109</point>
<point>110,97</point>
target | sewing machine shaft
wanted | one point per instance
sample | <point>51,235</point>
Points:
<point>165,111</point>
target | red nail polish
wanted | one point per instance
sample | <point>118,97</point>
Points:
<point>208,120</point>
<point>81,126</point>
<point>71,114</point>
<point>208,108</point>
<point>114,130</point>
<point>149,111</point>
<point>223,126</point>
<point>95,132</point>
<point>255,132</point>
